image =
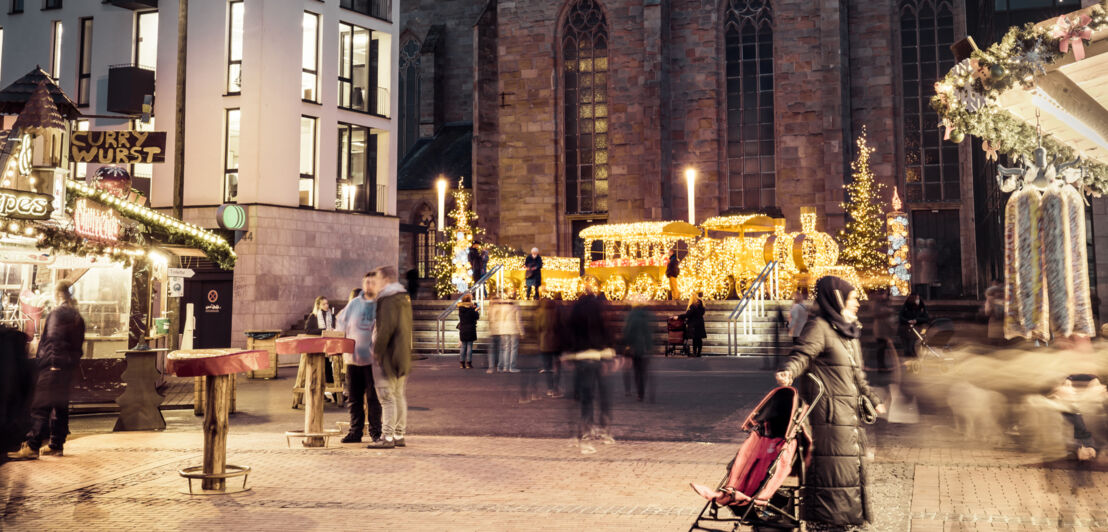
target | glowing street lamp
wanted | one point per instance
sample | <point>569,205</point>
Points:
<point>442,202</point>
<point>690,179</point>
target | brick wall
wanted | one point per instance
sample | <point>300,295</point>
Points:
<point>872,82</point>
<point>290,256</point>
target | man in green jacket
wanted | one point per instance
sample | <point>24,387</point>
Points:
<point>392,354</point>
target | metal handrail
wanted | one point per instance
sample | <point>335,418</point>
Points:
<point>752,294</point>
<point>478,289</point>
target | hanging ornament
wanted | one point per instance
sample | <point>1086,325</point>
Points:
<point>956,136</point>
<point>1037,172</point>
<point>997,72</point>
<point>990,150</point>
<point>1072,32</point>
<point>113,179</point>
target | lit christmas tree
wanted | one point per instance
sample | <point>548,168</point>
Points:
<point>863,240</point>
<point>452,269</point>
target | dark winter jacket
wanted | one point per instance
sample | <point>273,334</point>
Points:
<point>548,326</point>
<point>476,265</point>
<point>17,386</point>
<point>533,266</point>
<point>637,331</point>
<point>586,329</point>
<point>672,266</point>
<point>392,337</point>
<point>694,322</point>
<point>837,477</point>
<point>467,322</point>
<point>63,339</point>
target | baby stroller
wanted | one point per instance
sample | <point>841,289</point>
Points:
<point>778,448</point>
<point>675,336</point>
<point>934,340</point>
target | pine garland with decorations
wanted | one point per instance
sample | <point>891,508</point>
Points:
<point>966,98</point>
<point>862,242</point>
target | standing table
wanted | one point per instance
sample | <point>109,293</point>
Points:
<point>314,351</point>
<point>216,366</point>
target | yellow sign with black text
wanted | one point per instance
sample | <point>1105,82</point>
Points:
<point>117,147</point>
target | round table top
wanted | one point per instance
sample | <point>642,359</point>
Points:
<point>293,345</point>
<point>203,362</point>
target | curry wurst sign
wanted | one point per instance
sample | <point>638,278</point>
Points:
<point>117,147</point>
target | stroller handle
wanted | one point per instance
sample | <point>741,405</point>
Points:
<point>819,395</point>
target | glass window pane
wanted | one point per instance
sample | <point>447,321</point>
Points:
<point>236,28</point>
<point>311,30</point>
<point>146,40</point>
<point>233,120</point>
<point>307,146</point>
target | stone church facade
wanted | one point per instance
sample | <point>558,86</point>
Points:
<point>590,111</point>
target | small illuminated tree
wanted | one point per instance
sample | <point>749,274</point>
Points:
<point>863,240</point>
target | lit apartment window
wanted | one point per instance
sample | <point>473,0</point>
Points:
<point>56,51</point>
<point>51,4</point>
<point>354,88</point>
<point>309,63</point>
<point>357,169</point>
<point>307,161</point>
<point>1,42</point>
<point>234,48</point>
<point>231,157</point>
<point>84,67</point>
<point>146,40</point>
<point>17,7</point>
<point>80,170</point>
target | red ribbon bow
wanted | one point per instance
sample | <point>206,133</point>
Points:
<point>1076,32</point>
<point>990,151</point>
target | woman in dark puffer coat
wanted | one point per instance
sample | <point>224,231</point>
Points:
<point>835,493</point>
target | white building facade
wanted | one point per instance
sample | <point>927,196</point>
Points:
<point>289,112</point>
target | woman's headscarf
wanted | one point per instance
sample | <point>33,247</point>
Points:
<point>831,294</point>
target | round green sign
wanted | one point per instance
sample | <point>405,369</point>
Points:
<point>231,216</point>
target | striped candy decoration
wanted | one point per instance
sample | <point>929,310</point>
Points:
<point>1057,261</point>
<point>1023,293</point>
<point>1079,263</point>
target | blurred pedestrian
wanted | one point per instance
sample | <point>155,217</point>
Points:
<point>547,327</point>
<point>798,314</point>
<point>638,336</point>
<point>533,276</point>
<point>510,329</point>
<point>392,353</point>
<point>468,314</point>
<point>694,323</point>
<point>17,381</point>
<point>496,321</point>
<point>913,315</point>
<point>412,276</point>
<point>589,348</point>
<point>837,497</point>
<point>994,312</point>
<point>673,269</point>
<point>59,353</point>
<point>883,316</point>
<point>356,321</point>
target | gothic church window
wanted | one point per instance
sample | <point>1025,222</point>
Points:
<point>409,95</point>
<point>585,93</point>
<point>748,37</point>
<point>930,164</point>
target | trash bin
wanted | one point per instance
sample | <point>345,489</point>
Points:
<point>264,340</point>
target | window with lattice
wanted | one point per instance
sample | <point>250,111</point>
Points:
<point>585,89</point>
<point>409,95</point>
<point>931,170</point>
<point>748,38</point>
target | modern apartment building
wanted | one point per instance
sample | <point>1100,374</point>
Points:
<point>289,113</point>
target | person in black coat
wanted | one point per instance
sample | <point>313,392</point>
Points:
<point>836,492</point>
<point>476,263</point>
<point>673,269</point>
<point>694,323</point>
<point>17,377</point>
<point>912,314</point>
<point>468,314</point>
<point>533,275</point>
<point>589,348</point>
<point>59,352</point>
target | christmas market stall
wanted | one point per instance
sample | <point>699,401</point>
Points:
<point>1039,96</point>
<point>98,235</point>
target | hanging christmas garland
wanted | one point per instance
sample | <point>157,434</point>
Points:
<point>966,98</point>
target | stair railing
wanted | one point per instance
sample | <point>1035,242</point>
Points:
<point>479,293</point>
<point>753,301</point>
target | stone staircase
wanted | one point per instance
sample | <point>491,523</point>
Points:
<point>762,342</point>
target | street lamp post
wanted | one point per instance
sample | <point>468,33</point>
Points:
<point>442,202</point>
<point>690,179</point>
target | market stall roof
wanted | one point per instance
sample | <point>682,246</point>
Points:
<point>641,230</point>
<point>1053,74</point>
<point>40,113</point>
<point>14,97</point>
<point>740,223</point>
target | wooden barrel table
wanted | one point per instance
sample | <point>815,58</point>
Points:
<point>314,350</point>
<point>216,366</point>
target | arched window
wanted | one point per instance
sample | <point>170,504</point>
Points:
<point>748,37</point>
<point>585,84</point>
<point>425,240</point>
<point>930,165</point>
<point>409,95</point>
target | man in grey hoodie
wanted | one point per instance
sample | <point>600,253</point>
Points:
<point>392,354</point>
